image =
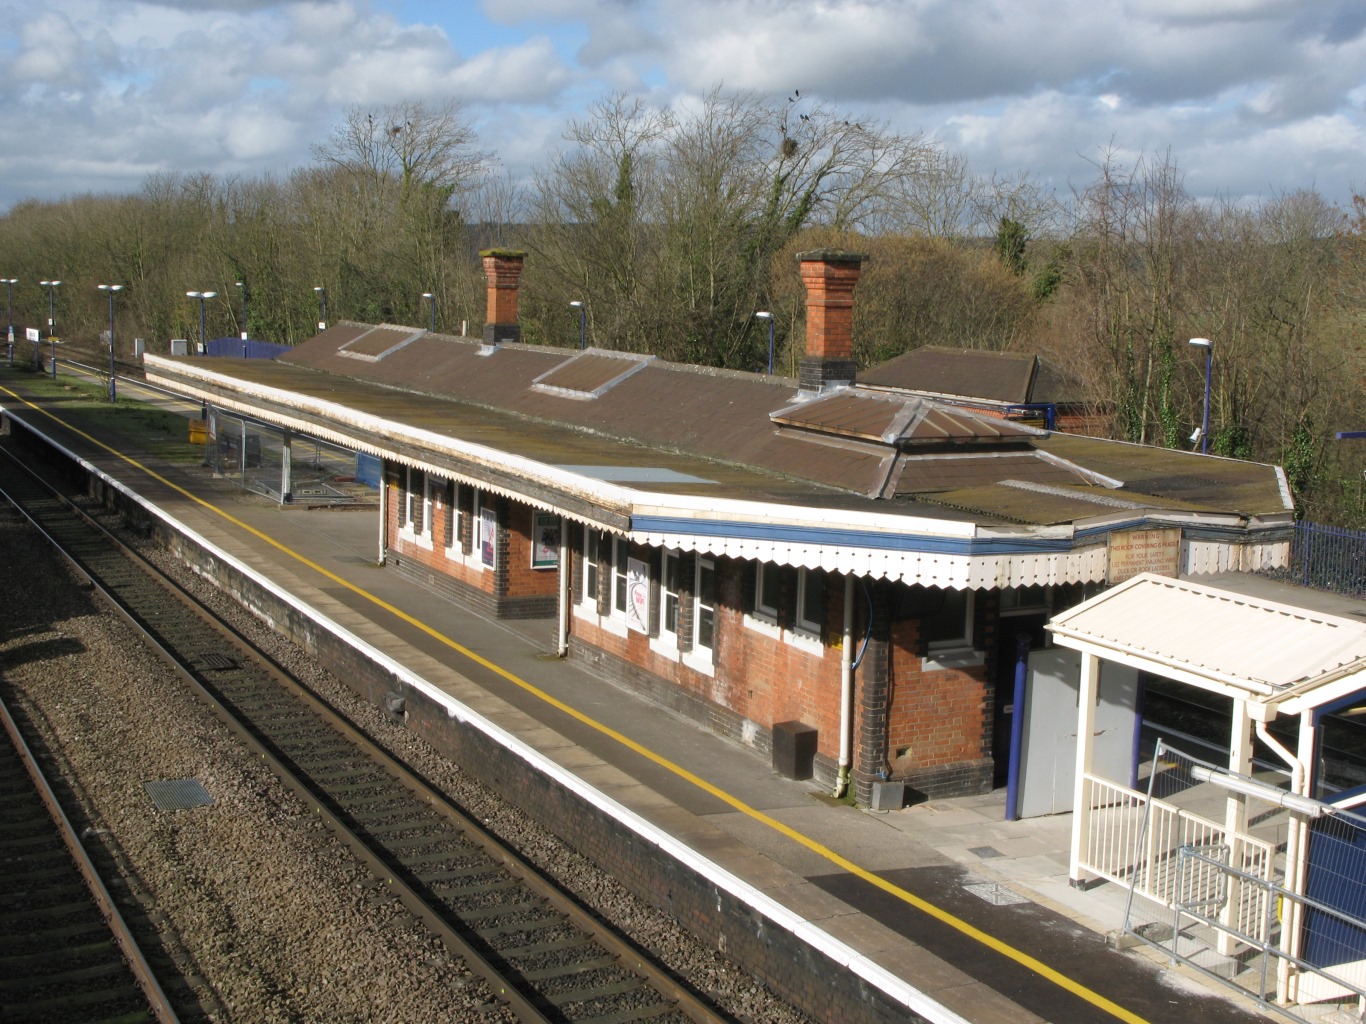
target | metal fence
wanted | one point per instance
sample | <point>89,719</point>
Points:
<point>1329,558</point>
<point>1287,928</point>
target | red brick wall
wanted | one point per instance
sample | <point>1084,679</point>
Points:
<point>937,717</point>
<point>435,558</point>
<point>515,544</point>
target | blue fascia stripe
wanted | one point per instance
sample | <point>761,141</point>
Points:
<point>824,536</point>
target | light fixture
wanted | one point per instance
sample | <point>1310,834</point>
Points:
<point>110,289</point>
<point>765,315</point>
<point>203,341</point>
<point>583,322</point>
<point>432,299</point>
<point>1251,787</point>
<point>1208,346</point>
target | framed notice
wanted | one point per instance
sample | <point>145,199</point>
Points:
<point>1137,551</point>
<point>545,541</point>
<point>488,537</point>
<point>638,595</point>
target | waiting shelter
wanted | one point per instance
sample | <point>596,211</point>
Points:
<point>1225,850</point>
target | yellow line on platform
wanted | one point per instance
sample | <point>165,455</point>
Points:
<point>958,924</point>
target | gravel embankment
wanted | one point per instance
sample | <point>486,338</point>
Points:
<point>280,922</point>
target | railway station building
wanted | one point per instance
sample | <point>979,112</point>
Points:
<point>843,575</point>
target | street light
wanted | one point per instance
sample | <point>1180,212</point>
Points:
<point>110,289</point>
<point>322,294</point>
<point>769,318</point>
<point>10,282</point>
<point>243,286</point>
<point>583,322</point>
<point>432,299</point>
<point>1208,346</point>
<point>51,322</point>
<point>201,296</point>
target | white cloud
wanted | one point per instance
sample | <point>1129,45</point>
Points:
<point>1248,94</point>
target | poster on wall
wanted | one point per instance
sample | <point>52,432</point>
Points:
<point>637,595</point>
<point>545,541</point>
<point>488,533</point>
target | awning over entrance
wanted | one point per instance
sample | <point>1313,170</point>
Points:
<point>1280,658</point>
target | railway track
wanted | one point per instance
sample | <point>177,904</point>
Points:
<point>65,952</point>
<point>544,955</point>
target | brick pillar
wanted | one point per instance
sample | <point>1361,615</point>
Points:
<point>829,276</point>
<point>502,269</point>
<point>870,747</point>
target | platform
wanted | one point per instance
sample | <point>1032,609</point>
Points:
<point>971,917</point>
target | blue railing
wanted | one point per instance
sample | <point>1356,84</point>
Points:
<point>1329,558</point>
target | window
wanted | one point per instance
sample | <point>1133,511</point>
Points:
<point>767,590</point>
<point>592,543</point>
<point>668,595</point>
<point>621,549</point>
<point>950,626</point>
<point>451,538</point>
<point>415,502</point>
<point>704,606</point>
<point>811,601</point>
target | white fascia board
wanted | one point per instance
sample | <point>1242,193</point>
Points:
<point>1229,686</point>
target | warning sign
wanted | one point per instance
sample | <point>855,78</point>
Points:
<point>1138,551</point>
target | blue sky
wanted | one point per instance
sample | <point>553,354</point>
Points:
<point>1251,97</point>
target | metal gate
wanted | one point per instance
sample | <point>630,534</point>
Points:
<point>1275,910</point>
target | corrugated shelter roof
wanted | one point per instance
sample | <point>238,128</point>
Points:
<point>1271,652</point>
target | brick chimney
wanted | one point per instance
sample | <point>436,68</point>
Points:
<point>829,276</point>
<point>502,268</point>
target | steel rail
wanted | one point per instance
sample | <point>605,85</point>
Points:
<point>143,974</point>
<point>453,935</point>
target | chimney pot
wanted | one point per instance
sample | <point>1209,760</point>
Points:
<point>829,276</point>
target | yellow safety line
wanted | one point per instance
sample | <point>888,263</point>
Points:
<point>943,916</point>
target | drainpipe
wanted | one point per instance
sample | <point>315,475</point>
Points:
<point>383,509</point>
<point>846,690</point>
<point>1296,848</point>
<point>562,612</point>
<point>1022,644</point>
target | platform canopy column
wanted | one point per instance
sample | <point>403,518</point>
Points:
<point>1086,748</point>
<point>286,466</point>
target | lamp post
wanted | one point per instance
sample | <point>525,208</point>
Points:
<point>51,322</point>
<point>432,299</point>
<point>110,289</point>
<point>583,322</point>
<point>10,282</point>
<point>322,296</point>
<point>769,317</point>
<point>201,296</point>
<point>1208,346</point>
<point>243,285</point>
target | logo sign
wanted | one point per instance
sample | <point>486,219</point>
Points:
<point>31,333</point>
<point>1138,551</point>
<point>638,595</point>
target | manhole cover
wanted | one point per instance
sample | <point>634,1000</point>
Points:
<point>985,852</point>
<point>177,794</point>
<point>995,893</point>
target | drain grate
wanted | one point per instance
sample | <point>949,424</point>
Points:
<point>995,893</point>
<point>215,662</point>
<point>177,794</point>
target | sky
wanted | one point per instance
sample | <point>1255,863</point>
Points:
<point>1251,98</point>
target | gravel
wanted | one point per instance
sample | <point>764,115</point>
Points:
<point>276,919</point>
